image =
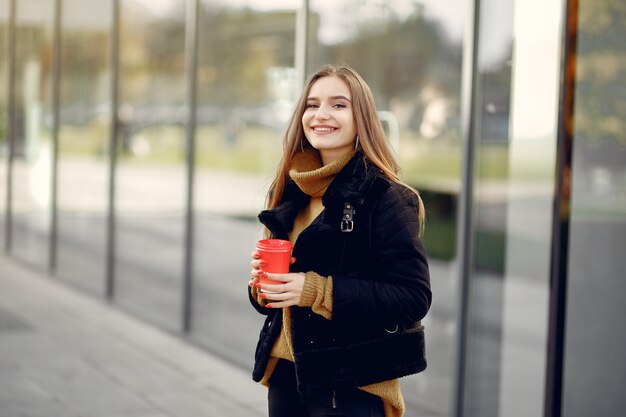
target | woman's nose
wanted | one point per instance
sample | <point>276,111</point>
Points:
<point>321,113</point>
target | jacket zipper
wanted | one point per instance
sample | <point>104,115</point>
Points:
<point>334,399</point>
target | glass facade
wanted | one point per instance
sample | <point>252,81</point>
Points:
<point>84,132</point>
<point>146,134</point>
<point>4,113</point>
<point>491,135</point>
<point>32,123</point>
<point>517,92</point>
<point>150,174</point>
<point>594,366</point>
<point>245,94</point>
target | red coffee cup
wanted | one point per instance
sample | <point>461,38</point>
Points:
<point>276,253</point>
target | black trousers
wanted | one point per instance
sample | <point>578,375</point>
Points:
<point>285,401</point>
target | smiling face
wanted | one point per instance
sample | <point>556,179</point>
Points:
<point>328,119</point>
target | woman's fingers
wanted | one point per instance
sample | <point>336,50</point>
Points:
<point>279,300</point>
<point>286,292</point>
<point>274,288</point>
<point>257,263</point>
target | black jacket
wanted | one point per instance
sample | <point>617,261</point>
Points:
<point>381,287</point>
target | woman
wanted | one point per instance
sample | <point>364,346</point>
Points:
<point>344,324</point>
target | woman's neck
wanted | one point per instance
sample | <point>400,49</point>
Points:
<point>328,156</point>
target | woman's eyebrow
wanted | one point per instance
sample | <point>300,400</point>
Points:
<point>339,97</point>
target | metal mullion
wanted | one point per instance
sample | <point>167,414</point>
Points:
<point>114,92</point>
<point>561,216</point>
<point>8,227</point>
<point>302,36</point>
<point>191,48</point>
<point>56,101</point>
<point>465,225</point>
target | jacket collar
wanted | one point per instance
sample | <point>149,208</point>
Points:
<point>352,184</point>
<point>279,220</point>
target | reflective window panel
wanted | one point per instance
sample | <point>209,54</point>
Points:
<point>595,342</point>
<point>4,117</point>
<point>491,135</point>
<point>516,110</point>
<point>150,176</point>
<point>84,142</point>
<point>246,91</point>
<point>410,55</point>
<point>32,123</point>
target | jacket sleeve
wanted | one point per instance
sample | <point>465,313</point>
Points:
<point>257,302</point>
<point>396,289</point>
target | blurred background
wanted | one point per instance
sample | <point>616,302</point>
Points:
<point>138,139</point>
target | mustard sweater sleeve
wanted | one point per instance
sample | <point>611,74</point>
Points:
<point>255,292</point>
<point>318,294</point>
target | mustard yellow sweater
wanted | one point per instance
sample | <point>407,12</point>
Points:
<point>313,179</point>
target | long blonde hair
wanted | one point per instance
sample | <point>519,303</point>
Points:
<point>372,138</point>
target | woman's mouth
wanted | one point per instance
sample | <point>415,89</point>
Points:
<point>323,129</point>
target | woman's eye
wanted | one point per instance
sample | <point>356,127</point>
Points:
<point>340,106</point>
<point>312,106</point>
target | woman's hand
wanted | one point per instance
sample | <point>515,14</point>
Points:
<point>284,294</point>
<point>257,264</point>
